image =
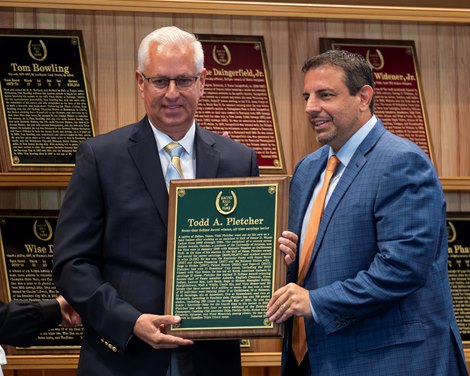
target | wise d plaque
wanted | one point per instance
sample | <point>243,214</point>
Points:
<point>26,245</point>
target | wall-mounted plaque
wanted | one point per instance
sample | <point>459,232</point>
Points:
<point>26,244</point>
<point>46,103</point>
<point>458,227</point>
<point>238,97</point>
<point>223,258</point>
<point>398,94</point>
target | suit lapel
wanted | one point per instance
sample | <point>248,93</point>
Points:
<point>207,158</point>
<point>143,150</point>
<point>355,165</point>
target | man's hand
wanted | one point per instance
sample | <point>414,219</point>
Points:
<point>69,316</point>
<point>288,246</point>
<point>289,300</point>
<point>151,329</point>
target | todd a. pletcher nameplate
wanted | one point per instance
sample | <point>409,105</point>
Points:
<point>223,257</point>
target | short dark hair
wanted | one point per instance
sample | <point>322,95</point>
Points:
<point>357,71</point>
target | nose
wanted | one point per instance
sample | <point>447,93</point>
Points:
<point>312,106</point>
<point>172,89</point>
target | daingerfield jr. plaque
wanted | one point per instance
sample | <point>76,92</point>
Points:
<point>238,96</point>
<point>223,258</point>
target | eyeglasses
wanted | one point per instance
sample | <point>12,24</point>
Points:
<point>162,83</point>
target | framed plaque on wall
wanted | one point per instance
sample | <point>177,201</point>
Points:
<point>238,98</point>
<point>26,244</point>
<point>46,105</point>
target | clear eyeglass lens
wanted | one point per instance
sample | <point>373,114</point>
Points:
<point>181,82</point>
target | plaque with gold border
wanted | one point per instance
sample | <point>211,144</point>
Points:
<point>46,105</point>
<point>458,228</point>
<point>223,257</point>
<point>26,245</point>
<point>238,97</point>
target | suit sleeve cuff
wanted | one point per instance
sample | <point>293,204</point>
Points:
<point>50,310</point>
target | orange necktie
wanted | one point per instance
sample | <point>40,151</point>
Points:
<point>299,340</point>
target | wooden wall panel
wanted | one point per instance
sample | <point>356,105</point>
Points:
<point>462,66</point>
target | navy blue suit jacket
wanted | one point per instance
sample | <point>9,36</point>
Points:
<point>378,277</point>
<point>110,247</point>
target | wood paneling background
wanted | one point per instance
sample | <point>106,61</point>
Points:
<point>112,38</point>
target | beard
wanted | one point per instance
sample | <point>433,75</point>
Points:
<point>327,137</point>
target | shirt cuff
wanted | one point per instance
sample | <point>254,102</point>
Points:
<point>314,314</point>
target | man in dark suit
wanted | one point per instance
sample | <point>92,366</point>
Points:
<point>110,241</point>
<point>373,296</point>
<point>21,322</point>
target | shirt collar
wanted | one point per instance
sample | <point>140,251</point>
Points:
<point>187,142</point>
<point>349,148</point>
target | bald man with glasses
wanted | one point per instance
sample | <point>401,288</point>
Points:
<point>111,236</point>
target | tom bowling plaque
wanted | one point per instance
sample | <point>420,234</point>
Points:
<point>46,104</point>
<point>458,227</point>
<point>398,99</point>
<point>26,243</point>
<point>238,97</point>
<point>223,259</point>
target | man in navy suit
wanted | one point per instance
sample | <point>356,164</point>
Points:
<point>375,298</point>
<point>111,235</point>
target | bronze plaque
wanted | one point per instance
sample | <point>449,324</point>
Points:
<point>238,97</point>
<point>26,243</point>
<point>46,104</point>
<point>223,258</point>
<point>398,94</point>
<point>458,227</point>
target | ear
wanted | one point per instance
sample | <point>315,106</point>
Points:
<point>365,96</point>
<point>140,81</point>
<point>202,79</point>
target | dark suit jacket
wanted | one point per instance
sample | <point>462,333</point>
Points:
<point>378,274</point>
<point>110,247</point>
<point>21,322</point>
